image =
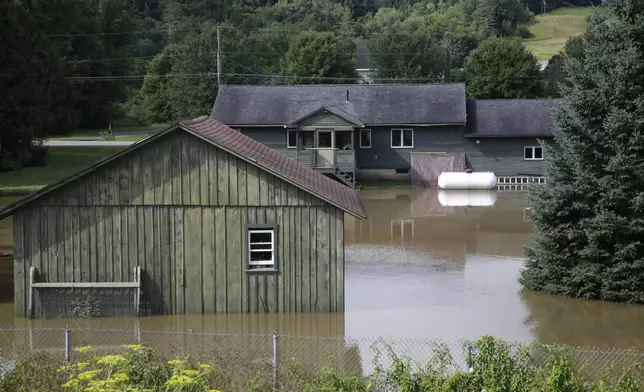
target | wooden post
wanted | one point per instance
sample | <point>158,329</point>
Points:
<point>32,274</point>
<point>137,298</point>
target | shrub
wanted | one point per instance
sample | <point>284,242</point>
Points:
<point>137,369</point>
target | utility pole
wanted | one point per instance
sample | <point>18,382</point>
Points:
<point>218,57</point>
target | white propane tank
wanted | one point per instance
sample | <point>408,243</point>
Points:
<point>460,180</point>
<point>466,198</point>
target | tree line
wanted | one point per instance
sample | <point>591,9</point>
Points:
<point>84,63</point>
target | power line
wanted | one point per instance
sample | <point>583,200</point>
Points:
<point>263,76</point>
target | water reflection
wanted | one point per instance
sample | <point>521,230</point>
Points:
<point>426,264</point>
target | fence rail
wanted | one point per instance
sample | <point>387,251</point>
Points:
<point>267,353</point>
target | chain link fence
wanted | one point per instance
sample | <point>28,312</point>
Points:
<point>245,356</point>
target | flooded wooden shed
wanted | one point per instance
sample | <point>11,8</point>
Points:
<point>197,218</point>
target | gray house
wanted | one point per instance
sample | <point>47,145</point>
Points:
<point>366,131</point>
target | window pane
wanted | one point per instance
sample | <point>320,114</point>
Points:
<point>261,256</point>
<point>395,138</point>
<point>538,153</point>
<point>527,153</point>
<point>343,140</point>
<point>365,138</point>
<point>408,138</point>
<point>308,139</point>
<point>261,237</point>
<point>261,246</point>
<point>292,138</point>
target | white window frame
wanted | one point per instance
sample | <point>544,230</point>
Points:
<point>288,138</point>
<point>264,263</point>
<point>533,149</point>
<point>370,138</point>
<point>391,137</point>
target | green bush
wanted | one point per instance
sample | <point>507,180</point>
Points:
<point>497,366</point>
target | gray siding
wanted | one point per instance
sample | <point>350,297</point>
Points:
<point>274,138</point>
<point>325,120</point>
<point>178,208</point>
<point>502,156</point>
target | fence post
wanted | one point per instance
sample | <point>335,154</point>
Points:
<point>68,344</point>
<point>275,350</point>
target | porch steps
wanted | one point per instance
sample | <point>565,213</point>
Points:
<point>345,178</point>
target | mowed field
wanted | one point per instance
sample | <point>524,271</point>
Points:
<point>550,31</point>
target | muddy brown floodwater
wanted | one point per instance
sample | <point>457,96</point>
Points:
<point>422,269</point>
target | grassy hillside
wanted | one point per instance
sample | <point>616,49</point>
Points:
<point>551,30</point>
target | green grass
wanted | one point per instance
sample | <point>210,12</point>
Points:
<point>62,162</point>
<point>551,30</point>
<point>82,133</point>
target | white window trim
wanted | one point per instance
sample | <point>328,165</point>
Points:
<point>533,148</point>
<point>391,137</point>
<point>270,262</point>
<point>288,139</point>
<point>402,223</point>
<point>370,138</point>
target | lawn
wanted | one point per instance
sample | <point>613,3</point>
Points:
<point>84,133</point>
<point>551,30</point>
<point>62,162</point>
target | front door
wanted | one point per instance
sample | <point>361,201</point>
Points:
<point>325,151</point>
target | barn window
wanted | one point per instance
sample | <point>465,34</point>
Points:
<point>533,153</point>
<point>261,248</point>
<point>402,138</point>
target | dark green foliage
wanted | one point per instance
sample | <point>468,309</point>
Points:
<point>553,75</point>
<point>502,68</point>
<point>404,49</point>
<point>316,56</point>
<point>33,88</point>
<point>193,87</point>
<point>495,18</point>
<point>151,103</point>
<point>589,219</point>
<point>86,33</point>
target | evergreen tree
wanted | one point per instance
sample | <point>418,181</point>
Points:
<point>589,218</point>
<point>33,85</point>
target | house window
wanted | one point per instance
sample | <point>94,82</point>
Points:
<point>533,153</point>
<point>261,248</point>
<point>402,231</point>
<point>292,139</point>
<point>402,138</point>
<point>365,138</point>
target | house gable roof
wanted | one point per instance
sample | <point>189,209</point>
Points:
<point>244,148</point>
<point>510,117</point>
<point>345,115</point>
<point>371,104</point>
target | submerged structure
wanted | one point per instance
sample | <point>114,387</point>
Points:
<point>197,218</point>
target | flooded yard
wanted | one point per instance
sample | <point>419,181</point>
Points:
<point>421,267</point>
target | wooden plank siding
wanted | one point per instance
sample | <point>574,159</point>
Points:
<point>179,209</point>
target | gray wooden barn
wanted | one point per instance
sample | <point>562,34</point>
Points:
<point>197,218</point>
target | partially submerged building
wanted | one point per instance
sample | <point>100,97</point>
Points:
<point>197,218</point>
<point>368,131</point>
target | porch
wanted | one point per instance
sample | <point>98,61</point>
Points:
<point>328,151</point>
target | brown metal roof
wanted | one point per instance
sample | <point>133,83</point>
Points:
<point>242,147</point>
<point>277,164</point>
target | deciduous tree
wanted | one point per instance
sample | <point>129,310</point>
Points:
<point>502,68</point>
